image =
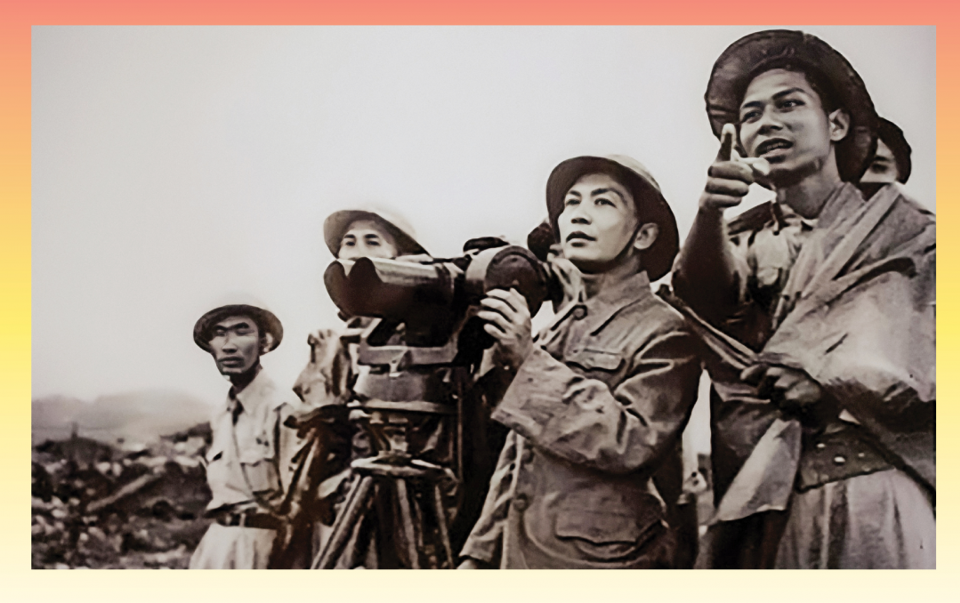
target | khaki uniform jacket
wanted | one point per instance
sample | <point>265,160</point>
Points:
<point>594,411</point>
<point>245,468</point>
<point>246,472</point>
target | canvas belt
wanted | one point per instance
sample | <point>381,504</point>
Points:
<point>835,455</point>
<point>263,521</point>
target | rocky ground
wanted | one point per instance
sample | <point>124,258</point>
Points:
<point>100,506</point>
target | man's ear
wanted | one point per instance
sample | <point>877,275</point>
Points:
<point>266,341</point>
<point>839,124</point>
<point>646,236</point>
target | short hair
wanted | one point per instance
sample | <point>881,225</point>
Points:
<point>817,80</point>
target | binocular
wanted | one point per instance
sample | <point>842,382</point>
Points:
<point>436,299</point>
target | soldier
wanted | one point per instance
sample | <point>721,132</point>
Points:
<point>824,376</point>
<point>597,402</point>
<point>326,386</point>
<point>243,462</point>
<point>349,235</point>
<point>352,234</point>
<point>332,434</point>
<point>891,163</point>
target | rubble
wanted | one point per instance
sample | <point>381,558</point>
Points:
<point>130,506</point>
<point>133,506</point>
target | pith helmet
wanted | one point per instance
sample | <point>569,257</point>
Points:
<point>266,321</point>
<point>337,223</point>
<point>649,201</point>
<point>758,52</point>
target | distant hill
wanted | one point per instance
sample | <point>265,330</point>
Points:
<point>136,417</point>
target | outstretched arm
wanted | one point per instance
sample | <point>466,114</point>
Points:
<point>705,274</point>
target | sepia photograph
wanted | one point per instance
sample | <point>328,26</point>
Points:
<point>483,297</point>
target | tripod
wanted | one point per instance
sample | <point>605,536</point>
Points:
<point>394,473</point>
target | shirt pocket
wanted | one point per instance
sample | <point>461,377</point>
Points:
<point>598,527</point>
<point>608,534</point>
<point>595,358</point>
<point>259,470</point>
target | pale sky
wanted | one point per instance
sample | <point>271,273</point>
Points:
<point>173,166</point>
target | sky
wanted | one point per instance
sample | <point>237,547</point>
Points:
<point>175,167</point>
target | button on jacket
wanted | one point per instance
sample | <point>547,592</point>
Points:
<point>594,411</point>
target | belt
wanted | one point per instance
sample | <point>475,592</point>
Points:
<point>835,456</point>
<point>263,521</point>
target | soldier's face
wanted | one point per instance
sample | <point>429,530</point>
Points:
<point>783,120</point>
<point>366,239</point>
<point>597,222</point>
<point>883,168</point>
<point>235,344</point>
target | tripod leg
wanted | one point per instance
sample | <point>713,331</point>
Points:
<point>442,523</point>
<point>407,517</point>
<point>344,524</point>
<point>347,502</point>
<point>338,521</point>
<point>361,539</point>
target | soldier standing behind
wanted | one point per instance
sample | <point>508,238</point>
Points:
<point>891,163</point>
<point>325,383</point>
<point>243,462</point>
<point>349,235</point>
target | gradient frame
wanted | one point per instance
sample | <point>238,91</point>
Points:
<point>21,583</point>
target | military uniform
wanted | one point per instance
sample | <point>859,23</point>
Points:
<point>864,462</point>
<point>593,412</point>
<point>246,477</point>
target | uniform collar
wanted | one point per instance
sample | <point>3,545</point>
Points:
<point>599,309</point>
<point>784,216</point>
<point>255,394</point>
